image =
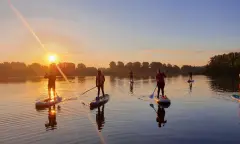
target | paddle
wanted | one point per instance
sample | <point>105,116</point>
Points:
<point>151,105</point>
<point>152,95</point>
<point>75,98</point>
<point>88,90</point>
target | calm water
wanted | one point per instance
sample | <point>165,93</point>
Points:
<point>205,114</point>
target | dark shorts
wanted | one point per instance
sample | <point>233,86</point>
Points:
<point>51,86</point>
<point>100,86</point>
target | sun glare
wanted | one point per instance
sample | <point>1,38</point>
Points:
<point>52,58</point>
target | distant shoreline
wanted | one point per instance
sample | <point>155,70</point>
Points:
<point>219,65</point>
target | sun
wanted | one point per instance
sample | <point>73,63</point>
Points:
<point>52,58</point>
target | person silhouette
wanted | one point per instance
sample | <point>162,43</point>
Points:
<point>51,76</point>
<point>160,82</point>
<point>100,79</point>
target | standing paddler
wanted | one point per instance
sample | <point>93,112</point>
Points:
<point>160,82</point>
<point>51,80</point>
<point>100,79</point>
<point>190,76</point>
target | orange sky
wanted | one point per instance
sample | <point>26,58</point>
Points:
<point>96,40</point>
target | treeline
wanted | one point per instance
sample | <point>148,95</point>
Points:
<point>19,69</point>
<point>219,65</point>
<point>224,65</point>
<point>150,69</point>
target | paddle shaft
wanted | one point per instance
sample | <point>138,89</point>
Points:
<point>88,90</point>
<point>152,95</point>
<point>154,90</point>
<point>154,109</point>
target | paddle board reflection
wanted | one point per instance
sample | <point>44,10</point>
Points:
<point>161,116</point>
<point>100,119</point>
<point>52,120</point>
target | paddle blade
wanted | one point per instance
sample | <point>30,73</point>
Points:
<point>151,105</point>
<point>151,96</point>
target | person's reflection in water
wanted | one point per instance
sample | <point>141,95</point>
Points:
<point>161,116</point>
<point>52,121</point>
<point>100,119</point>
<point>131,88</point>
<point>190,87</point>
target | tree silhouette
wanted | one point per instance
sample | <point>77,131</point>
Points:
<point>81,66</point>
<point>129,65</point>
<point>225,64</point>
<point>120,65</point>
<point>136,65</point>
<point>145,65</point>
<point>113,65</point>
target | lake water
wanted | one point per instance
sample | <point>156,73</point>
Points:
<point>205,114</point>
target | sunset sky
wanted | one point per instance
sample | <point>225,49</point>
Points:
<point>96,32</point>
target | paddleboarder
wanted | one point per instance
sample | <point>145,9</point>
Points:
<point>131,76</point>
<point>190,76</point>
<point>160,82</point>
<point>51,83</point>
<point>100,79</point>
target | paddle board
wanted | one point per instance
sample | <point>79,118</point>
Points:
<point>163,101</point>
<point>190,81</point>
<point>42,104</point>
<point>236,97</point>
<point>96,103</point>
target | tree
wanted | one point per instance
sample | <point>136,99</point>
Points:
<point>155,66</point>
<point>145,65</point>
<point>136,65</point>
<point>129,65</point>
<point>112,65</point>
<point>120,64</point>
<point>67,68</point>
<point>81,66</point>
<point>226,64</point>
<point>36,69</point>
